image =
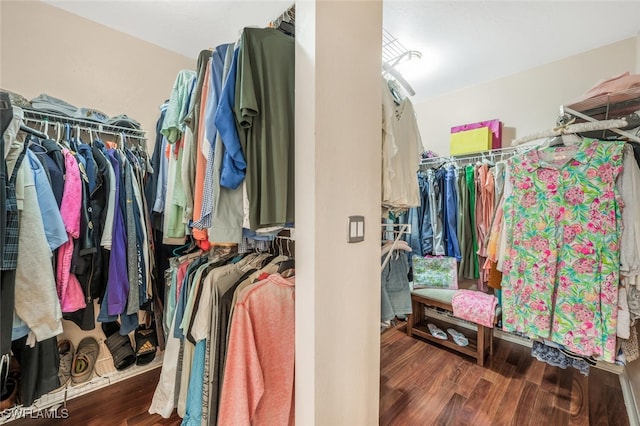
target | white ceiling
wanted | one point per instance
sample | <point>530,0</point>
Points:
<point>463,42</point>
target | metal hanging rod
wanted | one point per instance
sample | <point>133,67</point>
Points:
<point>88,129</point>
<point>396,228</point>
<point>47,117</point>
<point>612,125</point>
<point>592,120</point>
<point>491,154</point>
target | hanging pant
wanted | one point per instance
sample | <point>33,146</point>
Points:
<point>39,368</point>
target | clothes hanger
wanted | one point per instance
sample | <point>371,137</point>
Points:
<point>286,265</point>
<point>286,268</point>
<point>32,132</point>
<point>121,140</point>
<point>58,133</point>
<point>184,249</point>
<point>398,77</point>
<point>395,91</point>
<point>287,27</point>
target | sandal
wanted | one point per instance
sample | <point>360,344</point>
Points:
<point>66,352</point>
<point>146,344</point>
<point>436,332</point>
<point>458,337</point>
<point>119,346</point>
<point>84,360</point>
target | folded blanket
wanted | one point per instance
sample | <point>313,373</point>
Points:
<point>475,306</point>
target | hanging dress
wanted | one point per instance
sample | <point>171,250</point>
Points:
<point>561,269</point>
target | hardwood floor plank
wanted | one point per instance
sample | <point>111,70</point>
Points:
<point>491,401</point>
<point>597,401</point>
<point>392,403</point>
<point>516,355</point>
<point>435,397</point>
<point>419,370</point>
<point>497,369</point>
<point>405,361</point>
<point>604,378</point>
<point>460,371</point>
<point>475,401</point>
<point>449,414</point>
<point>520,357</point>
<point>509,403</point>
<point>535,373</point>
<point>606,394</point>
<point>559,417</point>
<point>616,410</point>
<point>563,394</point>
<point>467,383</point>
<point>579,404</point>
<point>542,408</point>
<point>421,409</point>
<point>524,408</point>
<point>558,382</point>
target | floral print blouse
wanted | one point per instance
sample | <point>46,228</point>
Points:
<point>563,225</point>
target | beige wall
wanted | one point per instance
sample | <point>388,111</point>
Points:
<point>528,101</point>
<point>337,175</point>
<point>638,53</point>
<point>47,50</point>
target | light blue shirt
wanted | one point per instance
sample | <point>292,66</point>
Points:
<point>51,218</point>
<point>233,163</point>
<point>215,89</point>
<point>193,415</point>
<point>163,172</point>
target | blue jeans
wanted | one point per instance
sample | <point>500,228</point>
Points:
<point>395,291</point>
<point>421,238</point>
<point>436,180</point>
<point>451,214</point>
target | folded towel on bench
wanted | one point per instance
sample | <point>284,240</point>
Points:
<point>475,306</point>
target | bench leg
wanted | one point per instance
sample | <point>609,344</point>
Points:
<point>491,342</point>
<point>482,345</point>
<point>416,317</point>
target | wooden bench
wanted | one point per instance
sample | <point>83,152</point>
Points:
<point>480,342</point>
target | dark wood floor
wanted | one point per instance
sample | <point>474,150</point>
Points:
<point>424,385</point>
<point>420,385</point>
<point>124,403</point>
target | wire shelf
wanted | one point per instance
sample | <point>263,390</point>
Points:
<point>47,117</point>
<point>392,49</point>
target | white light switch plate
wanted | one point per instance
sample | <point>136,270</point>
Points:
<point>355,229</point>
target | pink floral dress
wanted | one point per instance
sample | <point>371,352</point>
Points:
<point>563,228</point>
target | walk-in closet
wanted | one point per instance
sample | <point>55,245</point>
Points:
<point>319,213</point>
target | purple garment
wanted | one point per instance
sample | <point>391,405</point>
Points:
<point>117,283</point>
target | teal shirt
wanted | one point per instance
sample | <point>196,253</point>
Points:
<point>173,124</point>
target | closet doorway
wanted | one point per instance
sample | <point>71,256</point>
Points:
<point>468,63</point>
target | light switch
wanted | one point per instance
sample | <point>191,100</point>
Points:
<point>355,229</point>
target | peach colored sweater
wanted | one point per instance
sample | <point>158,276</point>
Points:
<point>259,372</point>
